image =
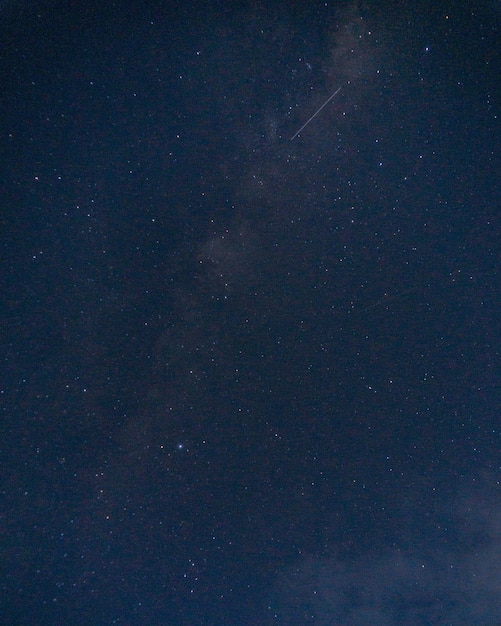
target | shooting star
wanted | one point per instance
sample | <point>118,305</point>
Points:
<point>316,113</point>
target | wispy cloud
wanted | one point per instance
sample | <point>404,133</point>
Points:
<point>454,578</point>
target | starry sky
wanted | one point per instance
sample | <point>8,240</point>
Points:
<point>250,376</point>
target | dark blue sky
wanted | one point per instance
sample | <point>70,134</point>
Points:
<point>248,379</point>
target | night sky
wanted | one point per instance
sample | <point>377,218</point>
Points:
<point>250,377</point>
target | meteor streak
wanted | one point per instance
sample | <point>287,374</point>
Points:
<point>316,113</point>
